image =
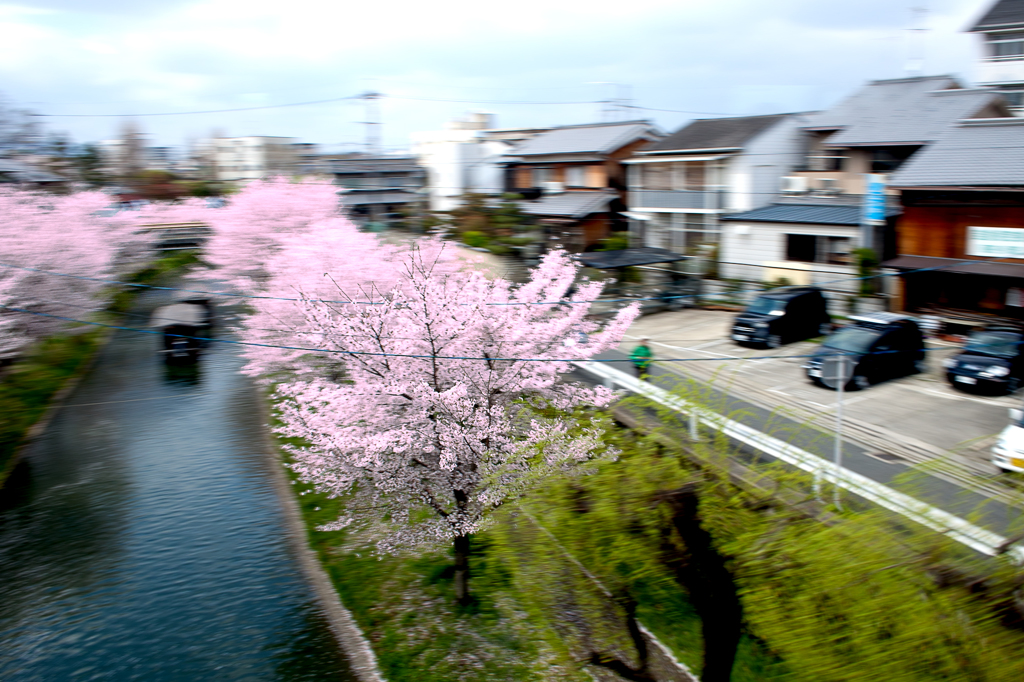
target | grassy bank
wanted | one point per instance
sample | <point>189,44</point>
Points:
<point>30,383</point>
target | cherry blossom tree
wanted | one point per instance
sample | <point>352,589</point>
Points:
<point>448,402</point>
<point>70,234</point>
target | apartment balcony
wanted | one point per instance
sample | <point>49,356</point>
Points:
<point>997,71</point>
<point>675,198</point>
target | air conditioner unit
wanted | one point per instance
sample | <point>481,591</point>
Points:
<point>553,187</point>
<point>794,184</point>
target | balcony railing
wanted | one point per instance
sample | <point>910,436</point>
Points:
<point>674,198</point>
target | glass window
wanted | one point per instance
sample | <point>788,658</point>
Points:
<point>657,176</point>
<point>992,343</point>
<point>576,176</point>
<point>1006,45</point>
<point>801,247</point>
<point>852,339</point>
<point>765,306</point>
<point>696,175</point>
<point>540,176</point>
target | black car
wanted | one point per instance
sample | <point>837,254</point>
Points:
<point>879,346</point>
<point>783,316</point>
<point>991,361</point>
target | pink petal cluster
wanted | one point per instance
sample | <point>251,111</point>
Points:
<point>77,235</point>
<point>441,398</point>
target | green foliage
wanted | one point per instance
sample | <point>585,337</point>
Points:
<point>778,283</point>
<point>867,267</point>
<point>474,238</point>
<point>27,386</point>
<point>616,242</point>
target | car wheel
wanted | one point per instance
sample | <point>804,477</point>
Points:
<point>919,366</point>
<point>860,382</point>
<point>1012,385</point>
<point>1004,471</point>
<point>773,341</point>
<point>824,329</point>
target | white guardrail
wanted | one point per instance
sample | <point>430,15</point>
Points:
<point>953,526</point>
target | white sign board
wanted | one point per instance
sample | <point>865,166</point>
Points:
<point>995,242</point>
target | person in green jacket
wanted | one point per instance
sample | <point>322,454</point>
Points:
<point>641,357</point>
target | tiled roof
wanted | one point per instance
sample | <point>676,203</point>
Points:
<point>805,213</point>
<point>904,111</point>
<point>1003,14</point>
<point>569,204</point>
<point>974,153</point>
<point>599,138</point>
<point>715,133</point>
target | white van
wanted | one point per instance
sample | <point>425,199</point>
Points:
<point>1008,452</point>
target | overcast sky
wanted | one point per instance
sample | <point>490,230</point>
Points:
<point>708,57</point>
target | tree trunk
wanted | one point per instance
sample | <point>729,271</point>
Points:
<point>462,569</point>
<point>707,579</point>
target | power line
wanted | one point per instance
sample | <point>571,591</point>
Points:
<point>432,357</point>
<point>208,111</point>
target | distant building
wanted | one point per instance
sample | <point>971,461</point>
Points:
<point>467,156</point>
<point>574,180</point>
<point>681,186</point>
<point>242,159</point>
<point>1002,60</point>
<point>380,189</point>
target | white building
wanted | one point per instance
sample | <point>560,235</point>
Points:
<point>241,159</point>
<point>680,186</point>
<point>465,157</point>
<point>1002,60</point>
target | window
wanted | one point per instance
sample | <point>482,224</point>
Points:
<point>809,248</point>
<point>576,176</point>
<point>1014,98</point>
<point>540,176</point>
<point>1006,45</point>
<point>826,160</point>
<point>695,175</point>
<point>657,176</point>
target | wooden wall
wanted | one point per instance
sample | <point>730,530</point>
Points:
<point>941,231</point>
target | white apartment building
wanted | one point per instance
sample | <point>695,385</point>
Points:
<point>467,156</point>
<point>242,159</point>
<point>679,187</point>
<point>1002,60</point>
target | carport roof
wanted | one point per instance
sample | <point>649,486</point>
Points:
<point>604,260</point>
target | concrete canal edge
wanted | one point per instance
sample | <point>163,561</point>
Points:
<point>355,645</point>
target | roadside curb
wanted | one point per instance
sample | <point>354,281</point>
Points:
<point>56,404</point>
<point>353,642</point>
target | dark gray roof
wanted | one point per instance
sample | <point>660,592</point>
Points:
<point>805,214</point>
<point>646,255</point>
<point>907,111</point>
<point>363,198</point>
<point>1003,14</point>
<point>397,164</point>
<point>597,138</point>
<point>715,133</point>
<point>569,204</point>
<point>974,153</point>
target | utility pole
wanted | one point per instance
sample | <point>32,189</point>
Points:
<point>372,114</point>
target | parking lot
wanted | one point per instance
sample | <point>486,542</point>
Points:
<point>918,417</point>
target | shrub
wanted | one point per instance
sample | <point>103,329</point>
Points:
<point>474,238</point>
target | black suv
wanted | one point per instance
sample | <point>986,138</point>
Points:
<point>783,316</point>
<point>880,346</point>
<point>991,361</point>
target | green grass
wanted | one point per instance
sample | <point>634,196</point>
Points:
<point>405,606</point>
<point>28,385</point>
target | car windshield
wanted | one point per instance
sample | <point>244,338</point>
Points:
<point>852,339</point>
<point>765,306</point>
<point>1003,345</point>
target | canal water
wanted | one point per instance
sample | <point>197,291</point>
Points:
<point>142,539</point>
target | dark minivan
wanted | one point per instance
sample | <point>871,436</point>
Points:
<point>880,346</point>
<point>991,361</point>
<point>783,316</point>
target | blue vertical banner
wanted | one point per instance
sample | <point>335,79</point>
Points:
<point>874,199</point>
